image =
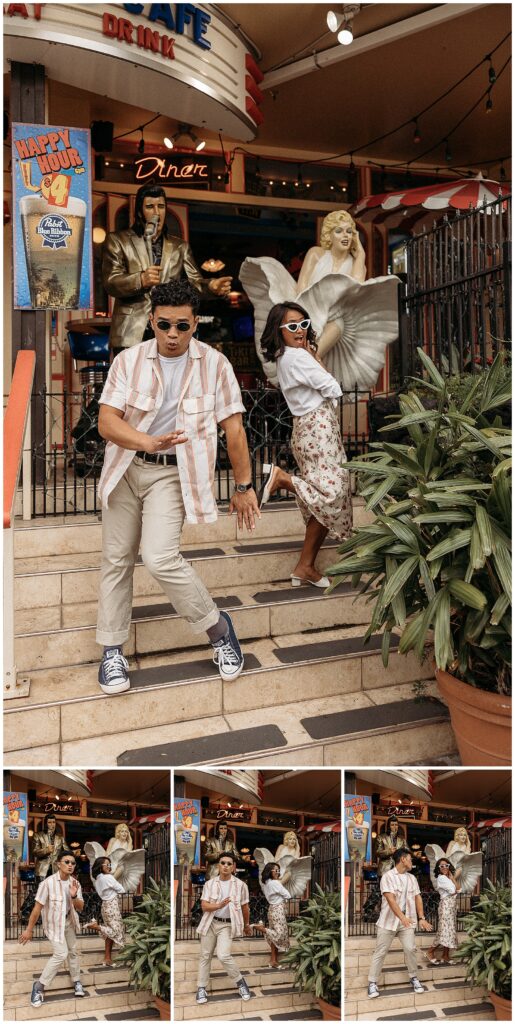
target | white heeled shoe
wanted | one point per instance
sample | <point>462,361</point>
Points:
<point>322,583</point>
<point>268,478</point>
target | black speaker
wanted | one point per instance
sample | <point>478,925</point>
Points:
<point>102,136</point>
<point>204,802</point>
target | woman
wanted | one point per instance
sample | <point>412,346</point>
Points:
<point>322,485</point>
<point>289,845</point>
<point>354,319</point>
<point>108,889</point>
<point>448,885</point>
<point>122,839</point>
<point>277,895</point>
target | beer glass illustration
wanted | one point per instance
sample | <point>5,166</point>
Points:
<point>357,836</point>
<point>53,237</point>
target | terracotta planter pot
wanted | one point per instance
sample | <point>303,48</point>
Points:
<point>481,721</point>
<point>163,1007</point>
<point>501,1006</point>
<point>329,1012</point>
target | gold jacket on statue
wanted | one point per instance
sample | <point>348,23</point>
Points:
<point>125,256</point>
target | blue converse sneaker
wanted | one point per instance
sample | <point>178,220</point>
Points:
<point>37,997</point>
<point>78,989</point>
<point>113,674</point>
<point>227,653</point>
<point>243,989</point>
<point>373,990</point>
<point>417,987</point>
<point>201,996</point>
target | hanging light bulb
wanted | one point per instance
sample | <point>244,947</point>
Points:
<point>448,154</point>
<point>416,132</point>
<point>502,173</point>
<point>200,145</point>
<point>492,76</point>
<point>489,104</point>
<point>168,142</point>
<point>141,143</point>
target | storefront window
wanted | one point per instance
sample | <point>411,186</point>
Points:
<point>456,816</point>
<point>281,819</point>
<point>105,811</point>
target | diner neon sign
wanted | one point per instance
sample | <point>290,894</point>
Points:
<point>165,170</point>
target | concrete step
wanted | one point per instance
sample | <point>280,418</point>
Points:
<point>116,997</point>
<point>396,975</point>
<point>92,977</point>
<point>439,999</point>
<point>83,533</point>
<point>50,581</point>
<point>226,1002</point>
<point>264,610</point>
<point>332,701</point>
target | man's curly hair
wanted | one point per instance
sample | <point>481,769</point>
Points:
<point>175,293</point>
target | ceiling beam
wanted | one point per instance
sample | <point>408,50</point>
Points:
<point>381,37</point>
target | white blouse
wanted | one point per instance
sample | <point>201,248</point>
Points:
<point>304,383</point>
<point>446,887</point>
<point>108,887</point>
<point>275,892</point>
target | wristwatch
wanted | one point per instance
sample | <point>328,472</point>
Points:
<point>243,488</point>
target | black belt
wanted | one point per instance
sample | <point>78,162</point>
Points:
<point>159,458</point>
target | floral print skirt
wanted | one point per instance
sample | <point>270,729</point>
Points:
<point>446,935</point>
<point>112,928</point>
<point>277,932</point>
<point>322,485</point>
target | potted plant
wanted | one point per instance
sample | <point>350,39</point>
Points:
<point>436,560</point>
<point>487,949</point>
<point>147,949</point>
<point>315,955</point>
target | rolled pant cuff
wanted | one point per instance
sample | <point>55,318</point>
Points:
<point>106,639</point>
<point>204,624</point>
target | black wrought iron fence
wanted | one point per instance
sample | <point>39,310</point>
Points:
<point>19,903</point>
<point>327,861</point>
<point>364,906</point>
<point>157,855</point>
<point>456,301</point>
<point>496,849</point>
<point>66,467</point>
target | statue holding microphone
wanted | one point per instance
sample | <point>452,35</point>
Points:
<point>141,257</point>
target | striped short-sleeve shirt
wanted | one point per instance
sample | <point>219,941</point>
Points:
<point>404,888</point>
<point>54,896</point>
<point>209,394</point>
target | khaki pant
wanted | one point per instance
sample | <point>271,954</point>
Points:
<point>146,507</point>
<point>63,951</point>
<point>218,937</point>
<point>384,940</point>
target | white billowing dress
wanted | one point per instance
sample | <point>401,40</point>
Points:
<point>366,314</point>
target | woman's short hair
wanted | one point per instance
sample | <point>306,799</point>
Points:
<point>154,191</point>
<point>332,221</point>
<point>272,341</point>
<point>438,865</point>
<point>96,870</point>
<point>266,873</point>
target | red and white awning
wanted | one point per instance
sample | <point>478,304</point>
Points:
<point>330,826</point>
<point>463,194</point>
<point>494,823</point>
<point>153,819</point>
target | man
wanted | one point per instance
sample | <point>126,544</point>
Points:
<point>128,273</point>
<point>220,841</point>
<point>47,846</point>
<point>225,902</point>
<point>389,841</point>
<point>160,411</point>
<point>401,906</point>
<point>59,902</point>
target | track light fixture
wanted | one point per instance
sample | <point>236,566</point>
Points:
<point>184,131</point>
<point>342,23</point>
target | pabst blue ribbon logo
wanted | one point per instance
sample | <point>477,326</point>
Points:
<point>54,231</point>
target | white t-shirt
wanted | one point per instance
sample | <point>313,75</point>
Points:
<point>172,371</point>
<point>108,886</point>
<point>275,891</point>
<point>446,886</point>
<point>304,383</point>
<point>224,913</point>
